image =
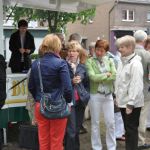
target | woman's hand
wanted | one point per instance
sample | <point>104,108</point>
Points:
<point>128,110</point>
<point>76,80</point>
<point>108,74</point>
<point>22,50</point>
<point>27,51</point>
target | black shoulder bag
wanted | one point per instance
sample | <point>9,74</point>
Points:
<point>51,108</point>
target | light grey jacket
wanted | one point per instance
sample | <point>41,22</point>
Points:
<point>145,56</point>
<point>129,82</point>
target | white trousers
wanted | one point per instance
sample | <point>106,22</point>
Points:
<point>100,103</point>
<point>119,126</point>
<point>142,123</point>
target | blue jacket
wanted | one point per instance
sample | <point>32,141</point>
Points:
<point>81,71</point>
<point>55,78</point>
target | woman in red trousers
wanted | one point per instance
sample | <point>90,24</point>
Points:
<point>56,80</point>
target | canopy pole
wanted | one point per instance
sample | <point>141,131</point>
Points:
<point>1,29</point>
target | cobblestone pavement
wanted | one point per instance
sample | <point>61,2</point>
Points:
<point>84,138</point>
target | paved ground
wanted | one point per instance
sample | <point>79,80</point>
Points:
<point>84,138</point>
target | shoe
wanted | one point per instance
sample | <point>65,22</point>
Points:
<point>145,146</point>
<point>121,138</point>
<point>83,130</point>
<point>148,129</point>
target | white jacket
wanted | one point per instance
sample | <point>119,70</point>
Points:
<point>129,82</point>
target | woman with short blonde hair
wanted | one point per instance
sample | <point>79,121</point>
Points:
<point>127,41</point>
<point>129,89</point>
<point>51,43</point>
<point>75,46</point>
<point>76,61</point>
<point>56,81</point>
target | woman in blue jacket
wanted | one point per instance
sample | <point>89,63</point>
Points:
<point>76,59</point>
<point>56,80</point>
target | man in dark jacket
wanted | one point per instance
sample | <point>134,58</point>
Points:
<point>2,90</point>
<point>21,45</point>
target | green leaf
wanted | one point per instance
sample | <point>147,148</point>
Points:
<point>56,20</point>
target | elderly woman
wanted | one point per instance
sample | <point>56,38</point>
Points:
<point>129,89</point>
<point>76,60</point>
<point>101,71</point>
<point>56,80</point>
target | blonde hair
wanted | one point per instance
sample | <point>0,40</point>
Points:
<point>51,43</point>
<point>127,41</point>
<point>75,46</point>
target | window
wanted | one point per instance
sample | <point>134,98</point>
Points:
<point>127,15</point>
<point>148,16</point>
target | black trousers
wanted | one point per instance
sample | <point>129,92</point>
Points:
<point>75,120</point>
<point>131,123</point>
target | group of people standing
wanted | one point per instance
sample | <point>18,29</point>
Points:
<point>65,67</point>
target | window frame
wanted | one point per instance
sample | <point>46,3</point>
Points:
<point>127,14</point>
<point>147,16</point>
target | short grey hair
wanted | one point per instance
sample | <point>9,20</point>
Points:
<point>92,45</point>
<point>75,37</point>
<point>140,36</point>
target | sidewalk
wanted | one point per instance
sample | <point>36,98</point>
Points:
<point>86,143</point>
<point>84,139</point>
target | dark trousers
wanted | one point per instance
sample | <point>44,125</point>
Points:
<point>74,124</point>
<point>131,123</point>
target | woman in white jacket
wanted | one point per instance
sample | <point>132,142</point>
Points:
<point>129,89</point>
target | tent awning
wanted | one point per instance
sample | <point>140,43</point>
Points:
<point>57,5</point>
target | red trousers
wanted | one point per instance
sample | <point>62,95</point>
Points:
<point>51,132</point>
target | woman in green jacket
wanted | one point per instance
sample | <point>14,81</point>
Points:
<point>102,73</point>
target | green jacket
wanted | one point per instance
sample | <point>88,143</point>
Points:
<point>96,77</point>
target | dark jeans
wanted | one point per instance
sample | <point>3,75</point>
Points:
<point>74,124</point>
<point>131,123</point>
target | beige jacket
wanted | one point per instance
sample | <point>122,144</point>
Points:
<point>145,56</point>
<point>129,82</point>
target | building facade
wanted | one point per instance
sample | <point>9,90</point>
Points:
<point>115,19</point>
<point>127,16</point>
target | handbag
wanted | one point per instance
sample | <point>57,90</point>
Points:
<point>83,94</point>
<point>50,108</point>
<point>28,137</point>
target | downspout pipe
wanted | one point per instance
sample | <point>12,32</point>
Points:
<point>114,5</point>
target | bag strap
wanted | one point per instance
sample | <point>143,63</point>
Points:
<point>40,76</point>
